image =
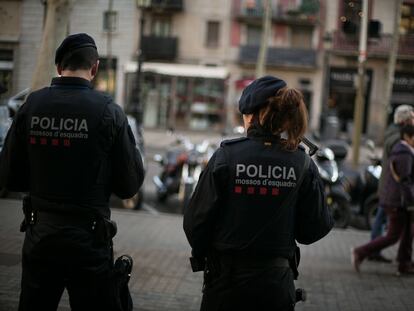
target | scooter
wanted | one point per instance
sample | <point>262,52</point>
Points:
<point>362,188</point>
<point>337,198</point>
<point>181,169</point>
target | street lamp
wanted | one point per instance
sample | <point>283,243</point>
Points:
<point>136,108</point>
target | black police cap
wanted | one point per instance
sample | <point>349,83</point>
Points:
<point>255,96</point>
<point>72,43</point>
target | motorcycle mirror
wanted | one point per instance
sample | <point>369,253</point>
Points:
<point>158,158</point>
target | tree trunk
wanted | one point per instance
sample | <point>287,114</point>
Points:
<point>266,25</point>
<point>392,60</point>
<point>54,31</point>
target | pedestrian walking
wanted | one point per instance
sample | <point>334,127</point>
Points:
<point>397,193</point>
<point>404,114</point>
<point>257,195</point>
<point>69,148</point>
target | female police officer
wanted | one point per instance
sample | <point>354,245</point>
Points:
<point>257,196</point>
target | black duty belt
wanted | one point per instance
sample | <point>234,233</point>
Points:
<point>254,261</point>
<point>66,219</point>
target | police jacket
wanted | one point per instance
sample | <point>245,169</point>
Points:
<point>242,190</point>
<point>71,145</point>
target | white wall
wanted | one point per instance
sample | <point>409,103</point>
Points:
<point>191,28</point>
<point>332,8</point>
<point>383,10</point>
<point>29,43</point>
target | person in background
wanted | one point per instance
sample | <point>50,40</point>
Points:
<point>404,114</point>
<point>257,196</point>
<point>396,194</point>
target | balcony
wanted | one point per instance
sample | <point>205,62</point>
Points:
<point>281,57</point>
<point>254,14</point>
<point>378,47</point>
<point>166,5</point>
<point>159,48</point>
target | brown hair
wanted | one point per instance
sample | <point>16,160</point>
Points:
<point>286,112</point>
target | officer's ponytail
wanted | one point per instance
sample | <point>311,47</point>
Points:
<point>286,112</point>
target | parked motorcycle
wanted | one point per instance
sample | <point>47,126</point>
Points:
<point>181,169</point>
<point>362,186</point>
<point>337,198</point>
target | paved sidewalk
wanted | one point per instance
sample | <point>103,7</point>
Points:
<point>162,279</point>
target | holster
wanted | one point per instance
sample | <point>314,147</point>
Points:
<point>29,214</point>
<point>111,228</point>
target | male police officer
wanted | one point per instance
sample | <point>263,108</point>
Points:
<point>69,147</point>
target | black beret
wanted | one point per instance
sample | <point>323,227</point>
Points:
<point>255,96</point>
<point>72,43</point>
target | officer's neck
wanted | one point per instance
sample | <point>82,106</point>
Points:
<point>79,73</point>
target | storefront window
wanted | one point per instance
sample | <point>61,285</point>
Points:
<point>207,106</point>
<point>184,99</point>
<point>341,101</point>
<point>6,72</point>
<point>181,102</point>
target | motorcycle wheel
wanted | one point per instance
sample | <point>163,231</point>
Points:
<point>341,212</point>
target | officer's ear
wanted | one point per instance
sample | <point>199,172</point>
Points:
<point>59,70</point>
<point>94,69</point>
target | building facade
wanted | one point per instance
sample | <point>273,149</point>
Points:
<point>218,41</point>
<point>342,29</point>
<point>199,55</point>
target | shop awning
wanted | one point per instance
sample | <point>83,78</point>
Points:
<point>181,70</point>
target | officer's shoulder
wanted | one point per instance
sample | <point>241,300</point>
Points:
<point>114,111</point>
<point>233,141</point>
<point>37,94</point>
<point>102,96</point>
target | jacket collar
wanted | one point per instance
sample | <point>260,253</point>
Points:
<point>257,134</point>
<point>71,81</point>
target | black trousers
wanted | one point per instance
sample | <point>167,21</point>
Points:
<point>55,258</point>
<point>230,287</point>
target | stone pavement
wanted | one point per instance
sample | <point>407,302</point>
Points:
<point>162,279</point>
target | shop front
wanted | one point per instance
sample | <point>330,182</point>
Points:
<point>181,96</point>
<point>402,91</point>
<point>341,101</point>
